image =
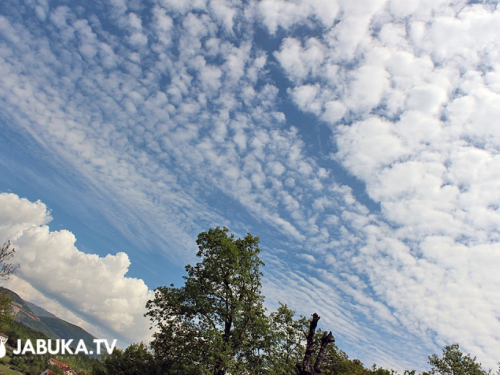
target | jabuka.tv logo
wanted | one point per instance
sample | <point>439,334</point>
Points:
<point>55,347</point>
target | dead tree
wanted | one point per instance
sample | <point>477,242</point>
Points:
<point>304,368</point>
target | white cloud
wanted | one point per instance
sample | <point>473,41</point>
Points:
<point>410,92</point>
<point>418,125</point>
<point>55,272</point>
<point>365,147</point>
<point>276,13</point>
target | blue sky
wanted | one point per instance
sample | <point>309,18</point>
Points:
<point>359,140</point>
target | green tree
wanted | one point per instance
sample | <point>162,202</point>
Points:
<point>55,369</point>
<point>215,323</point>
<point>284,346</point>
<point>134,360</point>
<point>454,362</point>
<point>7,268</point>
<point>6,316</point>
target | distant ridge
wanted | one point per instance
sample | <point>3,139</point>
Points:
<point>44,321</point>
<point>39,311</point>
<point>23,314</point>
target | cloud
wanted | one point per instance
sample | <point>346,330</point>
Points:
<point>280,13</point>
<point>387,188</point>
<point>57,274</point>
<point>419,129</point>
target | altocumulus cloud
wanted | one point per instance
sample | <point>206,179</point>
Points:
<point>411,94</point>
<point>175,108</point>
<point>69,282</point>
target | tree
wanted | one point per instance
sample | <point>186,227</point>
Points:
<point>285,347</point>
<point>6,254</point>
<point>55,369</point>
<point>215,323</point>
<point>6,270</point>
<point>6,316</point>
<point>454,362</point>
<point>311,363</point>
<point>134,360</point>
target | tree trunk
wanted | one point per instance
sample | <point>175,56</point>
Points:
<point>304,368</point>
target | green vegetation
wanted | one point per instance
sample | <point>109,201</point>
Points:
<point>136,359</point>
<point>6,269</point>
<point>17,330</point>
<point>6,318</point>
<point>454,362</point>
<point>7,371</point>
<point>216,325</point>
<point>34,364</point>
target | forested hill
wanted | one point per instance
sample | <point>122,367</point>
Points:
<point>25,315</point>
<point>49,324</point>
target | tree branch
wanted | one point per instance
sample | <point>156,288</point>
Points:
<point>304,368</point>
<point>325,340</point>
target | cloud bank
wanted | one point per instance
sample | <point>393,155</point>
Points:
<point>360,138</point>
<point>67,281</point>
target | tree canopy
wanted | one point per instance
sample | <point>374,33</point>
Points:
<point>454,362</point>
<point>215,323</point>
<point>7,268</point>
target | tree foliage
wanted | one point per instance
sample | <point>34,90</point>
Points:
<point>454,362</point>
<point>134,360</point>
<point>285,341</point>
<point>215,323</point>
<point>7,268</point>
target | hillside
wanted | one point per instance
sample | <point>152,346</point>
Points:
<point>68,331</point>
<point>24,363</point>
<point>47,323</point>
<point>39,311</point>
<point>25,315</point>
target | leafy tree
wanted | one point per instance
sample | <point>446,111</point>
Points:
<point>6,316</point>
<point>215,323</point>
<point>454,362</point>
<point>55,369</point>
<point>134,360</point>
<point>285,343</point>
<point>6,270</point>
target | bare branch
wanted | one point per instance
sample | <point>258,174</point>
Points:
<point>6,253</point>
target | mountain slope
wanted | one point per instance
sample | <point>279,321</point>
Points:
<point>49,324</point>
<point>39,311</point>
<point>25,315</point>
<point>69,331</point>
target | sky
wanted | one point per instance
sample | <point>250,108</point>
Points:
<point>359,140</point>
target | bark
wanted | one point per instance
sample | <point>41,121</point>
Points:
<point>304,368</point>
<point>325,340</point>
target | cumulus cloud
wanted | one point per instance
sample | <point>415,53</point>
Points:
<point>57,275</point>
<point>168,112</point>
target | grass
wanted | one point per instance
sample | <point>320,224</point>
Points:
<point>6,371</point>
